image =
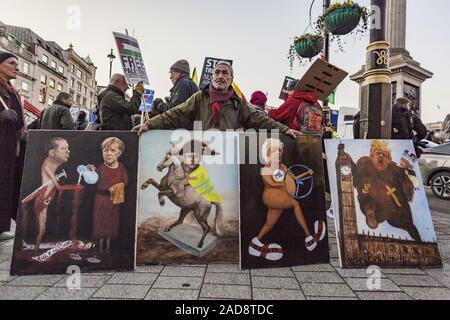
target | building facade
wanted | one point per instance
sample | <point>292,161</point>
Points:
<point>46,70</point>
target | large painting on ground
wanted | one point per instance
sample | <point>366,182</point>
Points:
<point>77,203</point>
<point>188,202</point>
<point>283,211</point>
<point>382,213</point>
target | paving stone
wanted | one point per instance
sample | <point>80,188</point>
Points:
<point>87,281</point>
<point>5,276</point>
<point>419,293</point>
<point>227,278</point>
<point>314,268</point>
<point>66,294</point>
<point>43,281</point>
<point>441,276</point>
<point>355,273</point>
<point>184,271</point>
<point>359,284</point>
<point>178,282</point>
<point>331,298</point>
<point>115,291</point>
<point>172,294</point>
<point>281,272</point>
<point>277,294</point>
<point>319,277</point>
<point>384,296</point>
<point>275,283</point>
<point>133,278</point>
<point>20,293</point>
<point>327,290</point>
<point>5,265</point>
<point>226,292</point>
<point>149,269</point>
<point>415,280</point>
<point>405,271</point>
<point>226,268</point>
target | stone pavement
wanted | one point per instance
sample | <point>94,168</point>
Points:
<point>226,281</point>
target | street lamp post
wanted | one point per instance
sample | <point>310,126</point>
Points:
<point>326,54</point>
<point>111,57</point>
<point>376,96</point>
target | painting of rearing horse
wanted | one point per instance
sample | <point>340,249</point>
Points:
<point>187,185</point>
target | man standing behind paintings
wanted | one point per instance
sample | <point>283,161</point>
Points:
<point>183,87</point>
<point>115,110</point>
<point>110,194</point>
<point>57,154</point>
<point>217,106</point>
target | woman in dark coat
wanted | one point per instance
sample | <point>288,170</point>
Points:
<point>11,133</point>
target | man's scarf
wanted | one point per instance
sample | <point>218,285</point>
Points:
<point>216,98</point>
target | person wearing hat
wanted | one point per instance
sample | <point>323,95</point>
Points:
<point>259,101</point>
<point>218,107</point>
<point>183,87</point>
<point>11,133</point>
<point>406,125</point>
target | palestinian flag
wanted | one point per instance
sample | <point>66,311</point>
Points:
<point>128,47</point>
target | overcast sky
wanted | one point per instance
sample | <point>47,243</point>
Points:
<point>256,34</point>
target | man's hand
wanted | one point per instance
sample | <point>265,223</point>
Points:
<point>141,129</point>
<point>139,88</point>
<point>293,133</point>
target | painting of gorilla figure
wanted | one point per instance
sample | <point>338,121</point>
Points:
<point>383,216</point>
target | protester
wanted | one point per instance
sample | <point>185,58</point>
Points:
<point>301,112</point>
<point>81,122</point>
<point>406,125</point>
<point>12,131</point>
<point>183,87</point>
<point>58,117</point>
<point>259,101</point>
<point>115,111</point>
<point>217,106</point>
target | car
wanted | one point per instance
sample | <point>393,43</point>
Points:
<point>435,169</point>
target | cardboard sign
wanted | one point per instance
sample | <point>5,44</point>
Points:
<point>207,72</point>
<point>285,88</point>
<point>131,59</point>
<point>148,97</point>
<point>322,78</point>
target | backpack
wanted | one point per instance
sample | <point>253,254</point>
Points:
<point>310,118</point>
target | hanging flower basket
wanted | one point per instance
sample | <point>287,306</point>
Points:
<point>305,47</point>
<point>343,18</point>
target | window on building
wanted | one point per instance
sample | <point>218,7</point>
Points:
<point>25,68</point>
<point>78,99</point>
<point>43,79</point>
<point>79,74</point>
<point>72,83</point>
<point>72,93</point>
<point>61,69</point>
<point>72,68</point>
<point>25,86</point>
<point>59,87</point>
<point>85,91</point>
<point>53,65</point>
<point>79,86</point>
<point>52,83</point>
<point>44,59</point>
<point>84,102</point>
<point>51,100</point>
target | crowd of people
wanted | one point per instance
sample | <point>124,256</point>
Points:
<point>217,106</point>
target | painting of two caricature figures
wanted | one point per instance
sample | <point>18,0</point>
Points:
<point>108,201</point>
